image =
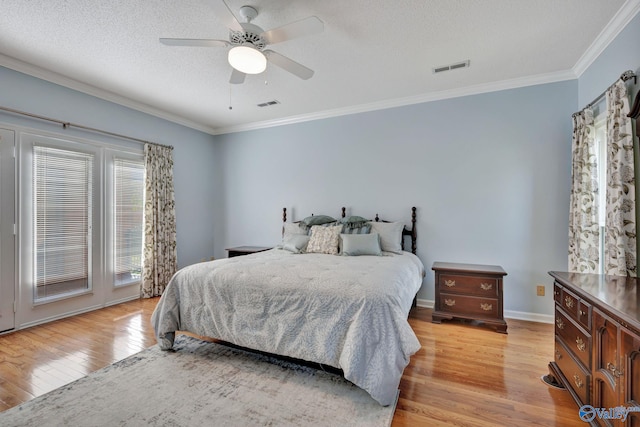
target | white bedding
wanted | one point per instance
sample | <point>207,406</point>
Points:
<point>349,312</point>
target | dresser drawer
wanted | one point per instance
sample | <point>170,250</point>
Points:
<point>575,307</point>
<point>557,293</point>
<point>470,285</point>
<point>577,378</point>
<point>575,339</point>
<point>469,305</point>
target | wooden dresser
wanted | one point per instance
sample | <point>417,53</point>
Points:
<point>469,291</point>
<point>597,343</point>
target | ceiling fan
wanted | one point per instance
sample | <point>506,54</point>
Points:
<point>248,42</point>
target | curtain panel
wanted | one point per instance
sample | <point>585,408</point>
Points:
<point>160,255</point>
<point>620,222</point>
<point>584,231</point>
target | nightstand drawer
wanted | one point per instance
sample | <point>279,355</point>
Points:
<point>469,305</point>
<point>469,291</point>
<point>245,250</point>
<point>470,285</point>
<point>575,339</point>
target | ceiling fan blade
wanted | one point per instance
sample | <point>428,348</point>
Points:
<point>289,65</point>
<point>237,77</point>
<point>304,27</point>
<point>194,42</point>
<point>223,13</point>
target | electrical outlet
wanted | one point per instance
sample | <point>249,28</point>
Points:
<point>540,290</point>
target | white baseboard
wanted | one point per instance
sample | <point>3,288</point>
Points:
<point>531,317</point>
<point>509,314</point>
<point>57,317</point>
<point>426,303</point>
<point>73,313</point>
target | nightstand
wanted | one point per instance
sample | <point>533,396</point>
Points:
<point>469,291</point>
<point>245,250</point>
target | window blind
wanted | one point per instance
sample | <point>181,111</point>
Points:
<point>63,183</point>
<point>128,220</point>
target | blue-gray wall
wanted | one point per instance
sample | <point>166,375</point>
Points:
<point>193,150</point>
<point>488,174</point>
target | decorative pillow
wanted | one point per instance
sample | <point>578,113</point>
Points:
<point>390,235</point>
<point>296,243</point>
<point>361,244</point>
<point>347,229</point>
<point>291,229</point>
<point>354,221</point>
<point>324,240</point>
<point>317,220</point>
<point>355,225</point>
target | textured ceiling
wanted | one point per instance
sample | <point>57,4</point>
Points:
<point>372,53</point>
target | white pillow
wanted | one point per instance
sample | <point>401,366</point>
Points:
<point>292,229</point>
<point>296,243</point>
<point>360,244</point>
<point>390,235</point>
<point>324,240</point>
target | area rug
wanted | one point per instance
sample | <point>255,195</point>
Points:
<point>203,384</point>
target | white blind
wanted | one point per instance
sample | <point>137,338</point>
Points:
<point>128,219</point>
<point>63,182</point>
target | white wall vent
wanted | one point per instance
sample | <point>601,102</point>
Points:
<point>269,103</point>
<point>443,68</point>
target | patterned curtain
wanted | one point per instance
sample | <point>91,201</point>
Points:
<point>620,223</point>
<point>160,256</point>
<point>584,232</point>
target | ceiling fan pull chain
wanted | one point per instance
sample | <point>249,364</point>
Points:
<point>230,107</point>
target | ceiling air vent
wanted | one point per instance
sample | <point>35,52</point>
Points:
<point>269,103</point>
<point>441,69</point>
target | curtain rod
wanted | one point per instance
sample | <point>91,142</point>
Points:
<point>627,75</point>
<point>66,125</point>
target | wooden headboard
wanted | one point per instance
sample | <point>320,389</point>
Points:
<point>410,232</point>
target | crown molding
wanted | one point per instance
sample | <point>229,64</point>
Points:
<point>59,79</point>
<point>411,100</point>
<point>620,20</point>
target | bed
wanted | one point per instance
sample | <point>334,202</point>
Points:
<point>347,312</point>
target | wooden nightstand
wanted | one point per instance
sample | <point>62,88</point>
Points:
<point>469,291</point>
<point>245,250</point>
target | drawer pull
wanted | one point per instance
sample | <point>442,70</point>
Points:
<point>560,323</point>
<point>558,355</point>
<point>486,307</point>
<point>450,283</point>
<point>450,302</point>
<point>569,302</point>
<point>582,313</point>
<point>578,381</point>
<point>486,286</point>
<point>580,344</point>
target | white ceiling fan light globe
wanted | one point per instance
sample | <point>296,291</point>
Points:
<point>247,59</point>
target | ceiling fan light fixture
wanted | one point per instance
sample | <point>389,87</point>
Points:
<point>247,59</point>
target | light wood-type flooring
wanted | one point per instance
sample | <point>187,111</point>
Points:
<point>464,375</point>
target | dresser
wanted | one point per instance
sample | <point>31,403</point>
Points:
<point>597,343</point>
<point>469,291</point>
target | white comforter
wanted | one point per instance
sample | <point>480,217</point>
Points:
<point>346,312</point>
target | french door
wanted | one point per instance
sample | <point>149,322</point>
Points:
<point>7,230</point>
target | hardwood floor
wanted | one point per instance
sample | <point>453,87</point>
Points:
<point>464,375</point>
